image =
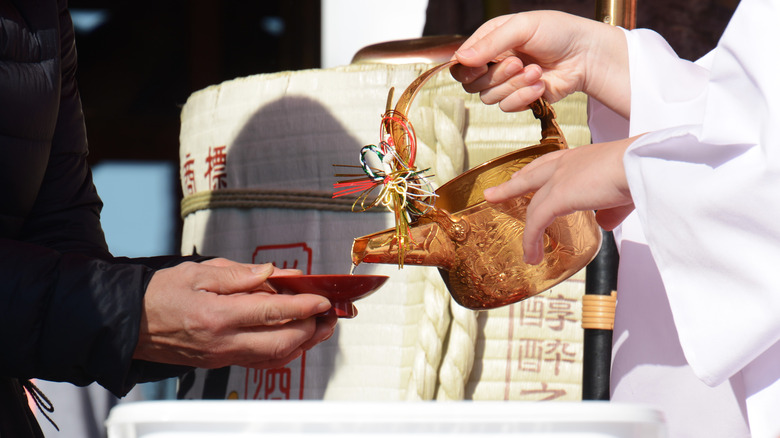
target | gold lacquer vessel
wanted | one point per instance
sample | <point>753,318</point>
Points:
<point>476,245</point>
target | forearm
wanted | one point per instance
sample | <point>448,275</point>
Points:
<point>74,318</point>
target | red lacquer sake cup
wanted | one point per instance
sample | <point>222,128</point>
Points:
<point>341,290</point>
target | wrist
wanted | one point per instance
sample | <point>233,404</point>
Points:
<point>607,77</point>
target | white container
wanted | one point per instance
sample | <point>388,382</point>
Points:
<point>288,419</point>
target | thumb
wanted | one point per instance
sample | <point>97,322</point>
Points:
<point>235,278</point>
<point>494,38</point>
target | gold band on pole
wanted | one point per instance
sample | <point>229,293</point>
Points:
<point>598,311</point>
<point>617,12</point>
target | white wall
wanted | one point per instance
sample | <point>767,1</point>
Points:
<point>350,25</point>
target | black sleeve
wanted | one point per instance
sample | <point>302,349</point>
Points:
<point>69,311</point>
<point>73,318</point>
<point>66,212</point>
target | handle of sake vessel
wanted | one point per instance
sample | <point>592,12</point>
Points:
<point>551,131</point>
<point>542,110</point>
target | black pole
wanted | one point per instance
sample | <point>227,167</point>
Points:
<point>601,273</point>
<point>600,279</point>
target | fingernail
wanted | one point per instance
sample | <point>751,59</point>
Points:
<point>513,68</point>
<point>323,306</point>
<point>330,333</point>
<point>537,86</point>
<point>529,257</point>
<point>265,269</point>
<point>466,53</point>
<point>534,256</point>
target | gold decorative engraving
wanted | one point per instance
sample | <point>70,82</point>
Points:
<point>476,245</point>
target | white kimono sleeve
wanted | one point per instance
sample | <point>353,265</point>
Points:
<point>706,184</point>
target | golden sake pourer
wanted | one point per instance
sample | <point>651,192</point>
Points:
<point>477,245</point>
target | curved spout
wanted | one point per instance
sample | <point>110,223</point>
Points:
<point>430,246</point>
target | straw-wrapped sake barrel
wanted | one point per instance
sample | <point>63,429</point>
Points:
<point>256,170</point>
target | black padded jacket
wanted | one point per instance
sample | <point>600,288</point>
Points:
<point>69,310</point>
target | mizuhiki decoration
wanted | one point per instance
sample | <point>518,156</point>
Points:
<point>406,190</point>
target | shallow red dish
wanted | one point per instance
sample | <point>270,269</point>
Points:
<point>341,290</point>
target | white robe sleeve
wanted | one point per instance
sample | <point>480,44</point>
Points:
<point>706,184</point>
